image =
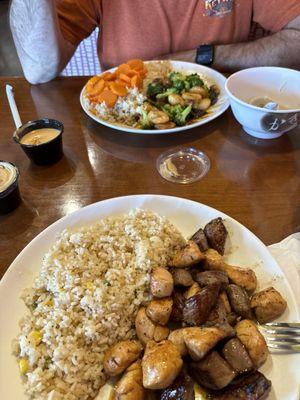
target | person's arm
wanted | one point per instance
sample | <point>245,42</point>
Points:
<point>280,49</point>
<point>42,50</point>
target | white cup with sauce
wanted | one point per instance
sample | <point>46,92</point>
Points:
<point>41,140</point>
<point>249,87</point>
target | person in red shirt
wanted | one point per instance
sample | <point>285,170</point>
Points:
<point>210,32</point>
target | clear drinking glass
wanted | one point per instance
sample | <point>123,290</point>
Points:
<point>183,165</point>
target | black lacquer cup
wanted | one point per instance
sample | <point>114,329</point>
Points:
<point>9,191</point>
<point>44,153</point>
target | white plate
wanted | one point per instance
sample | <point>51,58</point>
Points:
<point>187,216</point>
<point>209,75</point>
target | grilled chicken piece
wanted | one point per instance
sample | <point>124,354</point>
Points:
<point>199,341</point>
<point>237,356</point>
<point>120,356</point>
<point>178,304</point>
<point>181,389</point>
<point>161,365</point>
<point>176,337</point>
<point>161,282</point>
<point>213,371</point>
<point>146,330</point>
<point>198,307</point>
<point>243,277</point>
<point>200,239</point>
<point>253,340</point>
<point>130,386</point>
<point>216,234</point>
<point>205,278</point>
<point>182,277</point>
<point>159,311</point>
<point>250,387</point>
<point>239,301</point>
<point>187,256</point>
<point>194,289</point>
<point>268,305</point>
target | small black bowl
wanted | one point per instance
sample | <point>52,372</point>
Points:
<point>44,153</point>
<point>10,197</point>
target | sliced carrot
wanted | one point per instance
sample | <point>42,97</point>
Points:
<point>136,63</point>
<point>125,78</point>
<point>131,73</point>
<point>108,76</point>
<point>136,81</point>
<point>91,82</point>
<point>123,69</point>
<point>118,89</point>
<point>143,72</point>
<point>120,82</point>
<point>97,88</point>
<point>108,97</point>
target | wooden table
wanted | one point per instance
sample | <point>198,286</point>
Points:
<point>254,181</point>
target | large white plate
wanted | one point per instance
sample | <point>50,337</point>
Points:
<point>210,75</point>
<point>186,215</point>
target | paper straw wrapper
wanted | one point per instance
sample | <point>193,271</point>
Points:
<point>13,106</point>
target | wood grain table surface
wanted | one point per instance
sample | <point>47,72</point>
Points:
<point>254,181</point>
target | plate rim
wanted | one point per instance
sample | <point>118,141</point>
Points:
<point>223,107</point>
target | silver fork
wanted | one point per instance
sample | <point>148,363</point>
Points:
<point>282,335</point>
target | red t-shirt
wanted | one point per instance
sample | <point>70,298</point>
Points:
<point>149,28</point>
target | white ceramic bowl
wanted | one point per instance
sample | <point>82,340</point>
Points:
<point>278,84</point>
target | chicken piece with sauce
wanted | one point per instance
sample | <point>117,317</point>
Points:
<point>161,364</point>
<point>244,277</point>
<point>268,305</point>
<point>199,341</point>
<point>120,356</point>
<point>159,311</point>
<point>187,256</point>
<point>161,282</point>
<point>253,341</point>
<point>130,386</point>
<point>147,330</point>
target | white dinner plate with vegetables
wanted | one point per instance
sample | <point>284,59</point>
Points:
<point>242,249</point>
<point>155,97</point>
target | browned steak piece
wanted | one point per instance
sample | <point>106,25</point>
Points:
<point>216,234</point>
<point>198,307</point>
<point>237,356</point>
<point>201,240</point>
<point>181,389</point>
<point>210,277</point>
<point>178,305</point>
<point>239,301</point>
<point>213,371</point>
<point>251,387</point>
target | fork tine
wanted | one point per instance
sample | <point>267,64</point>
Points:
<point>292,325</point>
<point>280,332</point>
<point>282,340</point>
<point>295,348</point>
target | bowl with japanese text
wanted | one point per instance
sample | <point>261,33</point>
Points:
<point>265,100</point>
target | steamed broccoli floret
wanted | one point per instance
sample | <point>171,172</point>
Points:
<point>194,80</point>
<point>179,85</point>
<point>176,76</point>
<point>166,93</point>
<point>154,89</point>
<point>178,114</point>
<point>144,121</point>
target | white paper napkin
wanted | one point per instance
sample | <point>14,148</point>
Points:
<point>287,254</point>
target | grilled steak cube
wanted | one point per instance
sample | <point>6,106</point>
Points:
<point>237,356</point>
<point>201,240</point>
<point>216,234</point>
